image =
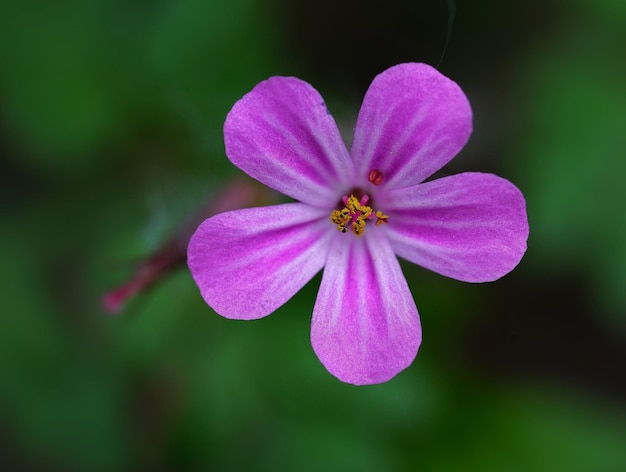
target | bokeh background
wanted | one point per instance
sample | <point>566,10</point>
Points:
<point>111,118</point>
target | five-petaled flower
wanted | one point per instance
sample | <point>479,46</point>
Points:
<point>355,211</point>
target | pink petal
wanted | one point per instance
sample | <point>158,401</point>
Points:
<point>249,262</point>
<point>365,326</point>
<point>412,122</point>
<point>282,134</point>
<point>471,227</point>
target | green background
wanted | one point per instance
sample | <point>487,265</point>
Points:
<point>111,118</point>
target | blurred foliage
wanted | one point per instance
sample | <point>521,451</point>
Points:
<point>111,129</point>
<point>80,77</point>
<point>573,156</point>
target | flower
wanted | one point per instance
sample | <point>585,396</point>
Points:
<point>355,211</point>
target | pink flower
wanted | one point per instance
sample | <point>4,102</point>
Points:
<point>355,211</point>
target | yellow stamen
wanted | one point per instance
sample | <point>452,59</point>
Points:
<point>381,218</point>
<point>341,218</point>
<point>358,226</point>
<point>353,205</point>
<point>355,215</point>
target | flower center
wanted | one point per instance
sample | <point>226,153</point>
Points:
<point>355,214</point>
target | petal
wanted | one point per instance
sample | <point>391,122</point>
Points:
<point>412,122</point>
<point>471,227</point>
<point>282,134</point>
<point>249,262</point>
<point>365,326</point>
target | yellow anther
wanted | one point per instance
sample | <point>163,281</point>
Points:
<point>353,204</point>
<point>358,226</point>
<point>341,219</point>
<point>381,218</point>
<point>336,217</point>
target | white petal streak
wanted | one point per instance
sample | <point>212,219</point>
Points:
<point>247,263</point>
<point>365,326</point>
